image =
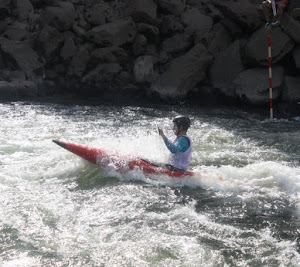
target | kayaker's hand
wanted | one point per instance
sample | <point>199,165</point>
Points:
<point>160,132</point>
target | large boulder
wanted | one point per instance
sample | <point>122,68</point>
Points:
<point>143,10</point>
<point>116,33</point>
<point>5,8</point>
<point>183,73</point>
<point>291,27</point>
<point>196,21</point>
<point>241,11</point>
<point>26,88</point>
<point>291,92</point>
<point>50,40</point>
<point>61,17</point>
<point>21,56</point>
<point>8,92</point>
<point>69,49</point>
<point>220,39</point>
<point>110,54</point>
<point>23,9</point>
<point>175,7</point>
<point>256,50</point>
<point>143,69</point>
<point>170,25</point>
<point>79,63</point>
<point>252,85</point>
<point>227,65</point>
<point>95,15</point>
<point>177,43</point>
<point>296,56</point>
<point>103,73</point>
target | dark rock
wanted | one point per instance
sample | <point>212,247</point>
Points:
<point>109,55</point>
<point>103,73</point>
<point>175,7</point>
<point>291,92</point>
<point>149,31</point>
<point>95,15</point>
<point>50,41</point>
<point>5,8</point>
<point>183,73</point>
<point>16,34</point>
<point>69,49</point>
<point>251,85</point>
<point>8,92</point>
<point>242,11</point>
<point>143,69</point>
<point>26,88</point>
<point>24,9</point>
<point>22,56</point>
<point>116,33</point>
<point>79,63</point>
<point>139,45</point>
<point>171,25</point>
<point>256,51</point>
<point>291,27</point>
<point>196,21</point>
<point>220,39</point>
<point>177,43</point>
<point>46,88</point>
<point>226,67</point>
<point>61,17</point>
<point>296,56</point>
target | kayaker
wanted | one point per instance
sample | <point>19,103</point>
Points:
<point>181,148</point>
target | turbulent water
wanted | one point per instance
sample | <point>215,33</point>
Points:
<point>242,209</point>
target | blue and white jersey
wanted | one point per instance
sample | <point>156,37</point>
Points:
<point>181,150</point>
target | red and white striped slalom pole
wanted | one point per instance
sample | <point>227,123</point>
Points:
<point>270,77</point>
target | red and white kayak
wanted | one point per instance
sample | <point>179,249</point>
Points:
<point>121,162</point>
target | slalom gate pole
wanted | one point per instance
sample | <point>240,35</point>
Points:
<point>270,77</point>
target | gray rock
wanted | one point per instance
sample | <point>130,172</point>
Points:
<point>296,14</point>
<point>16,34</point>
<point>139,45</point>
<point>175,7</point>
<point>5,8</point>
<point>8,92</point>
<point>256,51</point>
<point>183,73</point>
<point>79,63</point>
<point>116,33</point>
<point>26,88</point>
<point>220,39</point>
<point>102,73</point>
<point>69,49</point>
<point>291,27</point>
<point>241,11</point>
<point>24,9</point>
<point>46,88</point>
<point>291,92</point>
<point>143,10</point>
<point>17,75</point>
<point>149,31</point>
<point>50,41</point>
<point>143,69</point>
<point>296,56</point>
<point>196,21</point>
<point>95,15</point>
<point>177,43</point>
<point>61,17</point>
<point>23,56</point>
<point>171,25</point>
<point>252,85</point>
<point>109,55</point>
<point>227,65</point>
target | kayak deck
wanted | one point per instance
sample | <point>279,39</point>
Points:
<point>105,158</point>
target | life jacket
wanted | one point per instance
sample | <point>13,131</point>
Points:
<point>181,160</point>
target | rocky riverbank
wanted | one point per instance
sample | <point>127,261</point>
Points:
<point>167,49</point>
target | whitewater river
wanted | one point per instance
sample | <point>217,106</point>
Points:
<point>58,210</point>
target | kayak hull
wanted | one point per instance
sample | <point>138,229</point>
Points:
<point>121,162</point>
